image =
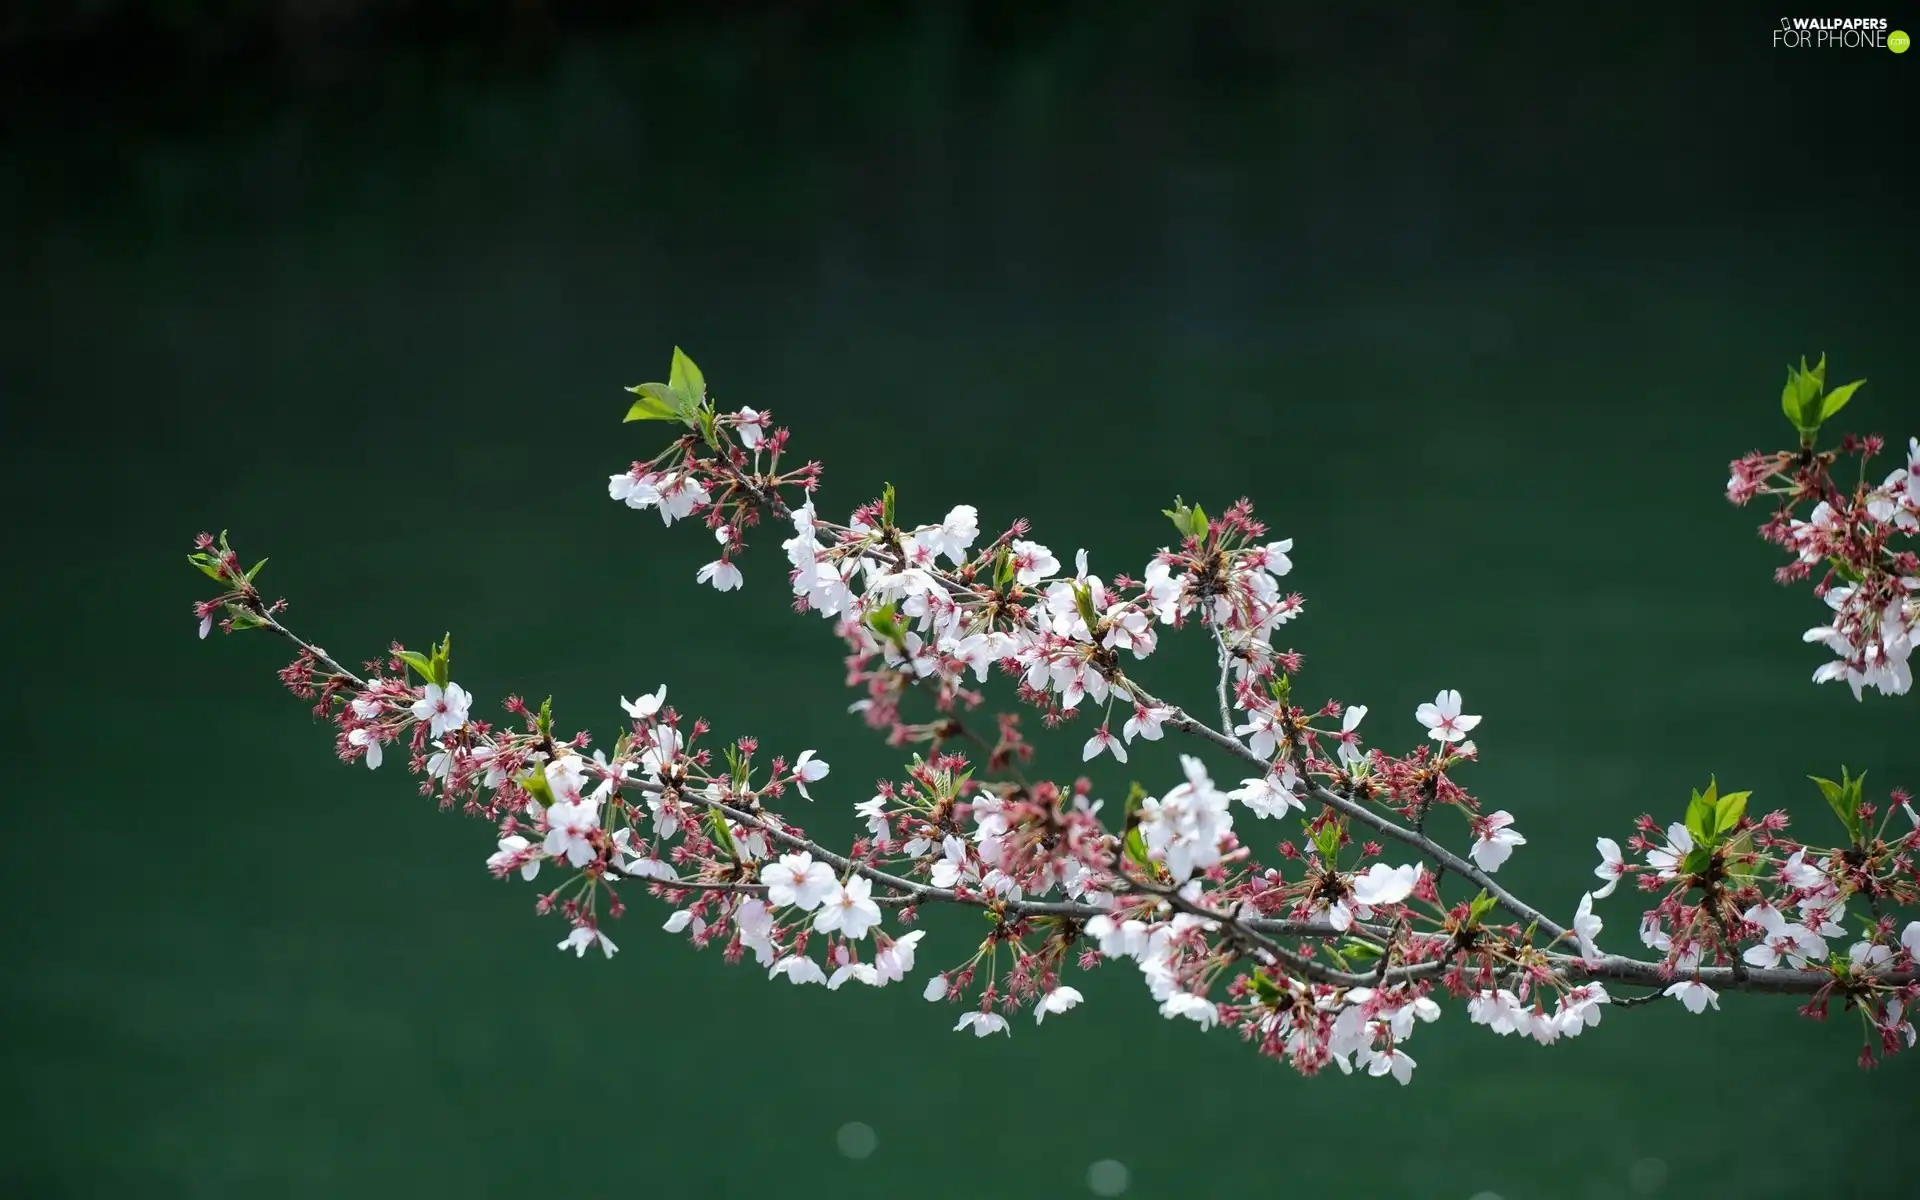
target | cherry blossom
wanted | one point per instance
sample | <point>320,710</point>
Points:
<point>369,740</point>
<point>444,709</point>
<point>847,909</point>
<point>808,769</point>
<point>798,881</point>
<point>1611,867</point>
<point>1058,1000</point>
<point>1443,718</point>
<point>983,1023</point>
<point>1496,841</point>
<point>723,575</point>
<point>584,937</point>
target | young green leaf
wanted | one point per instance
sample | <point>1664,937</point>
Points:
<point>1700,813</point>
<point>1136,847</point>
<point>687,379</point>
<point>1482,905</point>
<point>655,402</point>
<point>1836,399</point>
<point>1729,810</point>
<point>722,836</point>
<point>1840,802</point>
<point>208,566</point>
<point>255,569</point>
<point>421,664</point>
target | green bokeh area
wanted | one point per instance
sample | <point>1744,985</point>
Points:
<point>1483,351</point>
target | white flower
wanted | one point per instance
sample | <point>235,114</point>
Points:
<point>683,918</point>
<point>1183,829</point>
<point>443,709</point>
<point>1781,939</point>
<point>936,988</point>
<point>1058,1000</point>
<point>1495,846</point>
<point>645,706</point>
<point>1865,956</point>
<point>1383,884</point>
<point>755,924</point>
<point>953,536</point>
<point>1145,722</point>
<point>1910,938</point>
<point>848,908</point>
<point>1611,867</point>
<point>895,959</point>
<point>570,828</point>
<point>1587,927</point>
<point>751,427</point>
<point>680,494</point>
<point>635,491</point>
<point>1270,795</point>
<point>1103,739</point>
<point>1443,718</point>
<point>368,737</point>
<point>1349,736</point>
<point>798,968</point>
<point>1266,731</point>
<point>1195,1008</point>
<point>512,850</point>
<point>1395,1060</point>
<point>1499,1011</point>
<point>808,769</point>
<point>1667,860</point>
<point>206,626</point>
<point>984,1023</point>
<point>1695,995</point>
<point>1032,562</point>
<point>797,880</point>
<point>583,938</point>
<point>724,576</point>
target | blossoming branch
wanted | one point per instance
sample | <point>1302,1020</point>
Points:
<point>1313,907</point>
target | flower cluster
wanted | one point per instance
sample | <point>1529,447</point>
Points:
<point>1307,937</point>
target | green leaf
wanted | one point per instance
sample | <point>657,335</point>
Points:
<point>255,569</point>
<point>1327,841</point>
<point>1843,570</point>
<point>1136,847</point>
<point>1083,600</point>
<point>422,665</point>
<point>1838,800</point>
<point>1180,514</point>
<point>1800,398</point>
<point>1136,796</point>
<point>1003,569</point>
<point>208,567</point>
<point>1482,905</point>
<point>1836,399</point>
<point>886,505</point>
<point>535,785</point>
<point>1700,813</point>
<point>1727,813</point>
<point>1357,949</point>
<point>717,829</point>
<point>1697,860</point>
<point>1197,522</point>
<point>656,403</point>
<point>686,378</point>
<point>1265,988</point>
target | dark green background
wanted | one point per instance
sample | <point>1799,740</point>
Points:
<point>1475,309</point>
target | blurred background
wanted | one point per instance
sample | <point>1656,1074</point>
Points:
<point>1476,307</point>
